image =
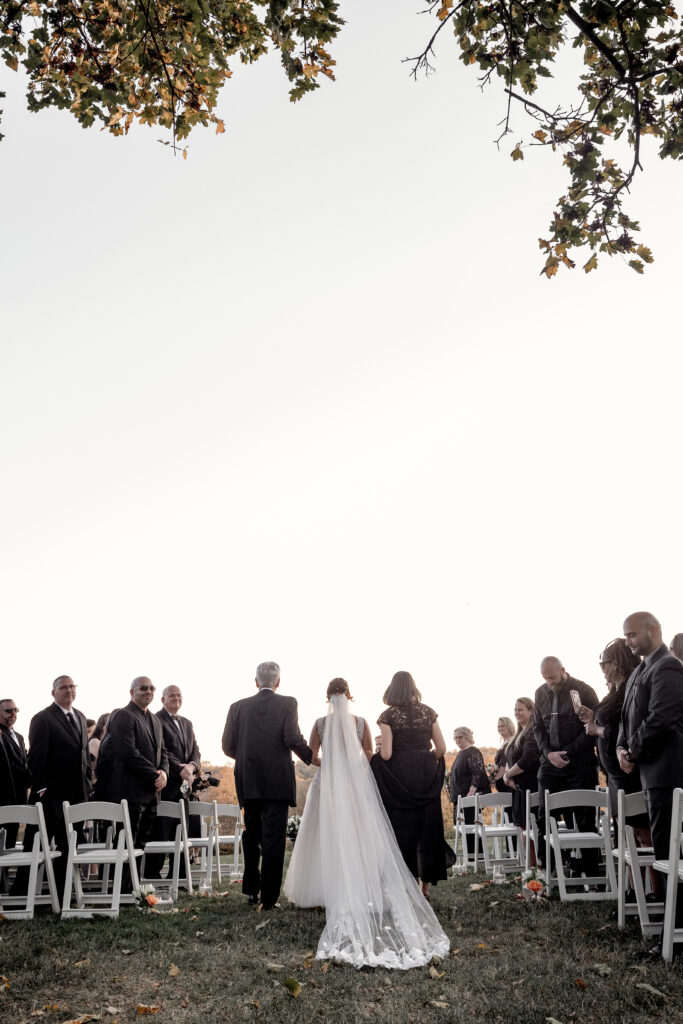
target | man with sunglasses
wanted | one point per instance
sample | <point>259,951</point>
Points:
<point>139,759</point>
<point>15,779</point>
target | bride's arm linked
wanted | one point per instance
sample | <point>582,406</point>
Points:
<point>366,742</point>
<point>314,744</point>
<point>438,740</point>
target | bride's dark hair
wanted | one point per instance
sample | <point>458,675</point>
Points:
<point>338,686</point>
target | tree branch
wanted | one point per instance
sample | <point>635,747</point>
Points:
<point>590,33</point>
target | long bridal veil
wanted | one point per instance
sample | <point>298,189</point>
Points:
<point>346,859</point>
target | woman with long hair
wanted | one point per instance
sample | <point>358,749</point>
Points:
<point>523,758</point>
<point>506,731</point>
<point>346,857</point>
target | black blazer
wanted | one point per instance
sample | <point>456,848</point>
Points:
<point>136,751</point>
<point>652,720</point>
<point>181,747</point>
<point>15,779</point>
<point>579,746</point>
<point>58,760</point>
<point>259,734</point>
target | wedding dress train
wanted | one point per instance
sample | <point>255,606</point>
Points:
<point>346,859</point>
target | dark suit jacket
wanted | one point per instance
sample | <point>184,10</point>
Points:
<point>181,747</point>
<point>58,760</point>
<point>652,721</point>
<point>580,747</point>
<point>15,779</point>
<point>259,734</point>
<point>137,752</point>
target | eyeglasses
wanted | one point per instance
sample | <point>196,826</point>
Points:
<point>9,711</point>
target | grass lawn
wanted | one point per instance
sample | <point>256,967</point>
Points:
<point>220,960</point>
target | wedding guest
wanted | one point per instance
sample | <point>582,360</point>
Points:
<point>567,753</point>
<point>651,732</point>
<point>677,646</point>
<point>15,778</point>
<point>522,762</point>
<point>467,776</point>
<point>98,734</point>
<point>409,771</point>
<point>506,731</point>
<point>91,723</point>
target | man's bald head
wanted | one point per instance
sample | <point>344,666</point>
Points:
<point>553,672</point>
<point>643,633</point>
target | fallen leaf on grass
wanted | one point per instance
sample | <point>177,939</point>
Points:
<point>437,1002</point>
<point>275,967</point>
<point>52,1006</point>
<point>197,934</point>
<point>293,987</point>
<point>262,924</point>
<point>37,1013</point>
<point>494,903</point>
<point>456,951</point>
<point>83,1019</point>
<point>433,973</point>
<point>126,952</point>
<point>553,1020</point>
<point>520,981</point>
<point>326,967</point>
<point>437,959</point>
<point>142,1009</point>
<point>5,983</point>
<point>186,1000</point>
<point>480,945</point>
<point>112,1010</point>
<point>476,886</point>
<point>648,988</point>
<point>579,982</point>
<point>173,971</point>
<point>602,969</point>
<point>82,962</point>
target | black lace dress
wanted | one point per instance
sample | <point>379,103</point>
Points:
<point>410,784</point>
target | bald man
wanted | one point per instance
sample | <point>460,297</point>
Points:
<point>139,759</point>
<point>568,758</point>
<point>651,732</point>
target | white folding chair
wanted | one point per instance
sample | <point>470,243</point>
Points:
<point>633,862</point>
<point>232,838</point>
<point>673,869</point>
<point>38,860</point>
<point>503,835</point>
<point>570,838</point>
<point>462,830</point>
<point>530,826</point>
<point>205,842</point>
<point>178,848</point>
<point>116,853</point>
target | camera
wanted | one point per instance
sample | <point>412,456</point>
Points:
<point>203,781</point>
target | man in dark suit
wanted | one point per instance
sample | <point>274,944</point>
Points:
<point>183,764</point>
<point>138,759</point>
<point>260,732</point>
<point>568,758</point>
<point>59,763</point>
<point>15,779</point>
<point>651,732</point>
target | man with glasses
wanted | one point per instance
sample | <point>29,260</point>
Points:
<point>139,759</point>
<point>15,779</point>
<point>59,763</point>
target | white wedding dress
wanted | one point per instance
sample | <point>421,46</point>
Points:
<point>346,859</point>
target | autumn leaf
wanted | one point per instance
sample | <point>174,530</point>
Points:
<point>142,1009</point>
<point>83,1019</point>
<point>592,264</point>
<point>82,962</point>
<point>173,971</point>
<point>433,973</point>
<point>437,1002</point>
<point>4,981</point>
<point>645,254</point>
<point>550,268</point>
<point>220,127</point>
<point>275,967</point>
<point>326,967</point>
<point>517,153</point>
<point>604,970</point>
<point>293,987</point>
<point>637,266</point>
<point>579,982</point>
<point>648,988</point>
<point>540,135</point>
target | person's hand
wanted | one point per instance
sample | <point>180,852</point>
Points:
<point>471,791</point>
<point>316,760</point>
<point>500,774</point>
<point>509,781</point>
<point>625,761</point>
<point>187,772</point>
<point>586,716</point>
<point>558,758</point>
<point>160,781</point>
<point>592,729</point>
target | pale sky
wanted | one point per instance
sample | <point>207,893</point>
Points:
<point>304,397</point>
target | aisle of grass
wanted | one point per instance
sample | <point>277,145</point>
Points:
<point>220,960</point>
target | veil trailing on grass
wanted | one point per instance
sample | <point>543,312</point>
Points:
<point>346,859</point>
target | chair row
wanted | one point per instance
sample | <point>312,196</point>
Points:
<point>626,864</point>
<point>102,859</point>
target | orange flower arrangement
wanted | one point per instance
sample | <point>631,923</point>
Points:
<point>152,899</point>
<point>534,885</point>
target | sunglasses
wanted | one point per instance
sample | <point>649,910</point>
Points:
<point>9,711</point>
<point>145,689</point>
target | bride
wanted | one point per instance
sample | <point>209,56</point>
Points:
<point>346,857</point>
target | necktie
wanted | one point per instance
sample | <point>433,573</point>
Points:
<point>554,724</point>
<point>71,719</point>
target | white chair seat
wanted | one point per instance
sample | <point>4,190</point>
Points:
<point>571,838</point>
<point>39,860</point>
<point>118,852</point>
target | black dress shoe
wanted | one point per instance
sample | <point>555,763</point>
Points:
<point>270,906</point>
<point>252,901</point>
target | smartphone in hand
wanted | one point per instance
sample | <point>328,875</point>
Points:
<point>576,700</point>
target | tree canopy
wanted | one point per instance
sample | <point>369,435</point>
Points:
<point>163,62</point>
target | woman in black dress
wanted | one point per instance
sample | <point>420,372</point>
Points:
<point>506,731</point>
<point>409,770</point>
<point>467,776</point>
<point>523,759</point>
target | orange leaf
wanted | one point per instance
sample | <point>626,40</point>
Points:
<point>142,1009</point>
<point>579,982</point>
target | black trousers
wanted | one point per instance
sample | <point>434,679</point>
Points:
<point>557,780</point>
<point>55,826</point>
<point>164,830</point>
<point>659,802</point>
<point>264,839</point>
